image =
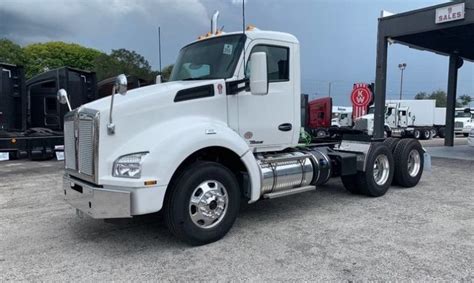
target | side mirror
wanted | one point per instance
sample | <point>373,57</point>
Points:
<point>258,73</point>
<point>61,95</point>
<point>121,84</point>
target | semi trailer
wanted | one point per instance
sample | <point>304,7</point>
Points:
<point>224,129</point>
<point>420,119</point>
<point>38,115</point>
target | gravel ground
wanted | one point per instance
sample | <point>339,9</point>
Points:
<point>423,233</point>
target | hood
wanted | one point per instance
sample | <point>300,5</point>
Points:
<point>159,93</point>
<point>366,116</point>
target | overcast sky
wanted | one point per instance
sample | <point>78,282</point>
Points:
<point>338,37</point>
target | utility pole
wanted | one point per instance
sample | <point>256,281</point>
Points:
<point>330,89</point>
<point>159,47</point>
<point>402,67</point>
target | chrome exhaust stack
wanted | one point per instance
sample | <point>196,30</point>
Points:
<point>214,19</point>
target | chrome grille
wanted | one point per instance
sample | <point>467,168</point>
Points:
<point>81,141</point>
<point>458,125</point>
<point>86,147</point>
<point>69,145</point>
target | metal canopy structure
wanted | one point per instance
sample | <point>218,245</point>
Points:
<point>446,29</point>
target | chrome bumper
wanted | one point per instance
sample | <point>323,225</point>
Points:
<point>97,202</point>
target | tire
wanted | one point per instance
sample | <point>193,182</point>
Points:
<point>434,133</point>
<point>408,163</point>
<point>426,134</point>
<point>365,182</point>
<point>442,132</point>
<point>379,154</point>
<point>321,134</point>
<point>208,182</point>
<point>465,134</point>
<point>417,134</point>
<point>391,143</point>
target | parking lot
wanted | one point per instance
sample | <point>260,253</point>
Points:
<point>423,233</point>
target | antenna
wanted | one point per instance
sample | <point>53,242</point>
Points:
<point>159,48</point>
<point>243,30</point>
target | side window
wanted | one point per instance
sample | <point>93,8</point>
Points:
<point>277,62</point>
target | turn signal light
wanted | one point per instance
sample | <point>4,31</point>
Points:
<point>150,182</point>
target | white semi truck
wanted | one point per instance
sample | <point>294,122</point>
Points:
<point>420,119</point>
<point>224,129</point>
<point>463,120</point>
<point>341,116</point>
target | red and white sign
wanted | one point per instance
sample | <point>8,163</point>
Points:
<point>361,97</point>
<point>450,13</point>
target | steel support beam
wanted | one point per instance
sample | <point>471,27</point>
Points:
<point>451,99</point>
<point>380,84</point>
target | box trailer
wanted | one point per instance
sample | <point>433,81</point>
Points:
<point>405,118</point>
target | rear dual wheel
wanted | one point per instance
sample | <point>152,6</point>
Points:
<point>409,161</point>
<point>378,175</point>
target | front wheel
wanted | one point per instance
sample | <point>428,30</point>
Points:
<point>203,203</point>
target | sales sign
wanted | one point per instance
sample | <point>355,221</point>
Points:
<point>450,13</point>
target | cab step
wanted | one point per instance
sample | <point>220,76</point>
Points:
<point>289,192</point>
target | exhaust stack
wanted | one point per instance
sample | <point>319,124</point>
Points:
<point>214,18</point>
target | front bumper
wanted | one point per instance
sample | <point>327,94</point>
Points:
<point>97,202</point>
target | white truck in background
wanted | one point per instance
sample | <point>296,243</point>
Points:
<point>341,116</point>
<point>420,119</point>
<point>224,129</point>
<point>463,120</point>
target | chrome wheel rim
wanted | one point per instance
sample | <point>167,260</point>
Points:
<point>381,169</point>
<point>414,162</point>
<point>208,204</point>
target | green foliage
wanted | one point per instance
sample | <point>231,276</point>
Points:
<point>441,98</point>
<point>52,55</point>
<point>166,72</point>
<point>438,95</point>
<point>465,99</point>
<point>40,57</point>
<point>421,95</point>
<point>11,52</point>
<point>123,61</point>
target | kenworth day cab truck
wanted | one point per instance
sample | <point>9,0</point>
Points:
<point>198,145</point>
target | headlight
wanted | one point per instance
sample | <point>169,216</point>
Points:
<point>129,166</point>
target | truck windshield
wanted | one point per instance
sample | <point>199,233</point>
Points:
<point>462,114</point>
<point>213,58</point>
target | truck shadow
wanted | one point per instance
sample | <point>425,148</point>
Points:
<point>150,232</point>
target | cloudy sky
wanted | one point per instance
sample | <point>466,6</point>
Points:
<point>337,37</point>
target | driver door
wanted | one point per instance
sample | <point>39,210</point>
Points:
<point>267,121</point>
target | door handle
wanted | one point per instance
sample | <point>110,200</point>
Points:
<point>285,127</point>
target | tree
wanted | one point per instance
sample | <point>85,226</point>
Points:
<point>465,100</point>
<point>421,95</point>
<point>440,97</point>
<point>123,61</point>
<point>166,72</point>
<point>51,55</point>
<point>11,52</point>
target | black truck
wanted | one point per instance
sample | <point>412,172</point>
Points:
<point>31,119</point>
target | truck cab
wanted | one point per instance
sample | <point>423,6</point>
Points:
<point>225,128</point>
